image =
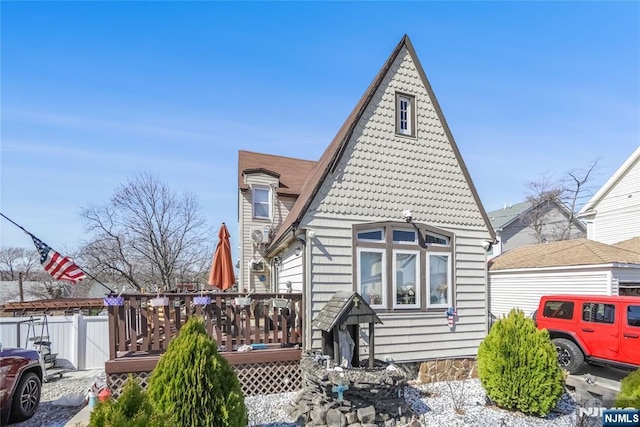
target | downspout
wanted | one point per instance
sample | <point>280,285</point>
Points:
<point>306,271</point>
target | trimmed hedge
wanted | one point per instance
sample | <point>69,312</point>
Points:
<point>518,366</point>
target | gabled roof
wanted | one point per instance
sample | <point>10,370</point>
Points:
<point>565,253</point>
<point>608,186</point>
<point>331,157</point>
<point>500,218</point>
<point>632,244</point>
<point>291,172</point>
<point>344,308</point>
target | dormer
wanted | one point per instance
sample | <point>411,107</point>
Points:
<point>261,183</point>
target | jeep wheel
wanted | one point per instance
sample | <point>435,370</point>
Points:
<point>570,356</point>
<point>26,397</point>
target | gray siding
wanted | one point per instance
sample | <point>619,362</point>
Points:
<point>378,177</point>
<point>521,233</point>
<point>281,207</point>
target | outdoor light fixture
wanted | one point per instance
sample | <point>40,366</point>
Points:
<point>298,250</point>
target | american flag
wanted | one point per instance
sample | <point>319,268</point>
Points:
<point>58,266</point>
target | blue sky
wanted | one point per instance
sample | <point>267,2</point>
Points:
<point>94,92</point>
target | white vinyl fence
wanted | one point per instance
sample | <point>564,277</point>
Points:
<point>81,342</point>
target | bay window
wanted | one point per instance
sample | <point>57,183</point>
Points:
<point>398,267</point>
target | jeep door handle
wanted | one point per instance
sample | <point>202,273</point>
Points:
<point>630,335</point>
<point>587,330</point>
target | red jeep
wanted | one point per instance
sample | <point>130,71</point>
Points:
<point>603,330</point>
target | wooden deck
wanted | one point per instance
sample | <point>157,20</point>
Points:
<point>261,340</point>
<point>140,332</point>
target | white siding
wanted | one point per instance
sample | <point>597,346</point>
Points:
<point>81,342</point>
<point>618,211</point>
<point>290,270</point>
<point>523,289</point>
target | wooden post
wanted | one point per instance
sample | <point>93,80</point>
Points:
<point>371,345</point>
<point>20,287</point>
<point>336,345</point>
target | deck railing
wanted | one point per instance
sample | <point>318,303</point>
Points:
<point>137,326</point>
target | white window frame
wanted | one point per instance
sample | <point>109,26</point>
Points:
<point>405,117</point>
<point>449,280</point>
<point>254,191</point>
<point>383,274</point>
<point>417,284</point>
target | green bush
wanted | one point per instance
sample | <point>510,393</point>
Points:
<point>518,366</point>
<point>629,396</point>
<point>131,409</point>
<point>195,386</point>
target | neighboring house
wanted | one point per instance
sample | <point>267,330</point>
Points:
<point>528,223</point>
<point>519,277</point>
<point>268,188</point>
<point>389,211</point>
<point>613,213</point>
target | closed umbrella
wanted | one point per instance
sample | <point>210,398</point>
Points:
<point>221,274</point>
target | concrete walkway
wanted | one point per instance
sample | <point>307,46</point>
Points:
<point>81,419</point>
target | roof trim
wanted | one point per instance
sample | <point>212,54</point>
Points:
<point>261,170</point>
<point>611,182</point>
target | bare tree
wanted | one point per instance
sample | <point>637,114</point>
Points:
<point>570,191</point>
<point>576,189</point>
<point>15,260</point>
<point>146,235</point>
<point>542,194</point>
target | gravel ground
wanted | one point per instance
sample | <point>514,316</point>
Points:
<point>58,393</point>
<point>461,403</point>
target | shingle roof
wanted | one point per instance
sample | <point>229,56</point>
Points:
<point>334,151</point>
<point>564,253</point>
<point>632,244</point>
<point>341,308</point>
<point>291,172</point>
<point>502,217</point>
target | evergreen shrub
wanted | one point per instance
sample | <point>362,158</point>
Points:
<point>629,396</point>
<point>131,409</point>
<point>193,385</point>
<point>518,366</point>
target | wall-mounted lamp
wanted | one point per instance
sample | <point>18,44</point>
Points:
<point>487,245</point>
<point>407,216</point>
<point>298,250</point>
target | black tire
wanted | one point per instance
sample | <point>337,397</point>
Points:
<point>26,397</point>
<point>570,357</point>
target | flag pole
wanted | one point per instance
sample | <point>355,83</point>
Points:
<point>32,236</point>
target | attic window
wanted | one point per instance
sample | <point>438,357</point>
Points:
<point>405,114</point>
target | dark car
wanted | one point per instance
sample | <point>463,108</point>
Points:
<point>20,384</point>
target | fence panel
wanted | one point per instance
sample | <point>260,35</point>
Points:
<point>81,342</point>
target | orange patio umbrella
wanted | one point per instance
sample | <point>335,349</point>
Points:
<point>221,274</point>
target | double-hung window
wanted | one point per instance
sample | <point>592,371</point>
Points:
<point>261,200</point>
<point>401,268</point>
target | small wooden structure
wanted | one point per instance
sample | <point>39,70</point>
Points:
<point>350,309</point>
